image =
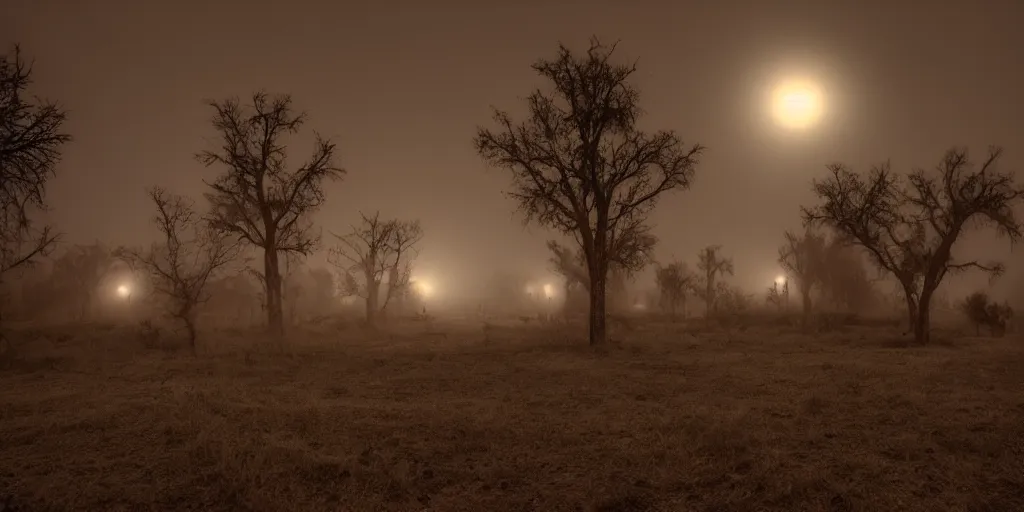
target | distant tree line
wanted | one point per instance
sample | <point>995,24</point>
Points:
<point>578,164</point>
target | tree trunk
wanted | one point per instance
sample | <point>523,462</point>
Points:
<point>922,329</point>
<point>191,328</point>
<point>805,296</point>
<point>272,274</point>
<point>709,297</point>
<point>911,308</point>
<point>597,324</point>
<point>372,301</point>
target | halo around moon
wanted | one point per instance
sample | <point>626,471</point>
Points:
<point>797,104</point>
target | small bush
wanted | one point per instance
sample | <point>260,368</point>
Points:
<point>981,311</point>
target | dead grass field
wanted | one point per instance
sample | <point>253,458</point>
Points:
<point>530,420</point>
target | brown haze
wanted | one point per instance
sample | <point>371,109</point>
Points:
<point>401,86</point>
<point>695,395</point>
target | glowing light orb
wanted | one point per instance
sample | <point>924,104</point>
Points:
<point>425,288</point>
<point>124,290</point>
<point>781,280</point>
<point>549,290</point>
<point>797,104</point>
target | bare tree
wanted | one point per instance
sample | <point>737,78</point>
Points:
<point>258,199</point>
<point>777,295</point>
<point>803,258</point>
<point>579,163</point>
<point>674,282</point>
<point>190,253</point>
<point>910,225</point>
<point>31,138</point>
<point>378,249</point>
<point>712,265</point>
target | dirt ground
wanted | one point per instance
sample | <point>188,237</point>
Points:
<point>523,418</point>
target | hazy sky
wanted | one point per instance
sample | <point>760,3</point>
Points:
<point>401,86</point>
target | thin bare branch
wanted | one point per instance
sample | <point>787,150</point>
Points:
<point>579,164</point>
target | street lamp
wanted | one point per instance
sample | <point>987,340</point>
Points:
<point>782,282</point>
<point>425,288</point>
<point>125,292</point>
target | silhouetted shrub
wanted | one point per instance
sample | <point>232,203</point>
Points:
<point>981,311</point>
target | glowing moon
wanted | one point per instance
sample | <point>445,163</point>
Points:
<point>797,104</point>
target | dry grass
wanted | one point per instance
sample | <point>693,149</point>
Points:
<point>530,420</point>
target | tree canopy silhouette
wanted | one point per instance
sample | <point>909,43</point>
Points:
<point>674,281</point>
<point>803,258</point>
<point>190,253</point>
<point>580,164</point>
<point>712,265</point>
<point>31,138</point>
<point>910,224</point>
<point>258,198</point>
<point>381,250</point>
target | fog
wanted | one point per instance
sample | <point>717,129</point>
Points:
<point>608,256</point>
<point>402,86</point>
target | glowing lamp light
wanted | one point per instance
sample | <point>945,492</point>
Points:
<point>781,280</point>
<point>425,288</point>
<point>124,291</point>
<point>549,291</point>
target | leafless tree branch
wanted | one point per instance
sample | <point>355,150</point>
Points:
<point>579,163</point>
<point>183,262</point>
<point>258,199</point>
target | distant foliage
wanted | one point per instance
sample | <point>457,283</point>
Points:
<point>803,257</point>
<point>675,281</point>
<point>981,311</point>
<point>731,300</point>
<point>235,298</point>
<point>712,266</point>
<point>845,281</point>
<point>80,272</point>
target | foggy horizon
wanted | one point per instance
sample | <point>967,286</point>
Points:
<point>573,272</point>
<point>402,87</point>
